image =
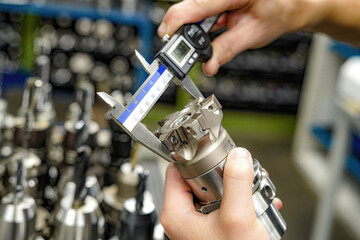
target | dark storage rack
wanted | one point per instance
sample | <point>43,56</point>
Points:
<point>135,19</point>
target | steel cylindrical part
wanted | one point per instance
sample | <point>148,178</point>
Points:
<point>121,142</point>
<point>137,225</point>
<point>84,222</point>
<point>264,193</point>
<point>37,138</point>
<point>115,195</point>
<point>204,173</point>
<point>208,187</point>
<point>42,68</point>
<point>17,218</point>
<point>209,155</point>
<point>71,137</point>
<point>273,222</point>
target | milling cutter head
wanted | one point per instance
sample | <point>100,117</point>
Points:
<point>183,132</point>
<point>195,137</point>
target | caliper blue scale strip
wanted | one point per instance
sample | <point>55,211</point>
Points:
<point>145,98</point>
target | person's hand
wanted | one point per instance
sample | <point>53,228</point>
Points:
<point>235,219</point>
<point>250,23</point>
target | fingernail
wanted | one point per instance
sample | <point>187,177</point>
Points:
<point>239,153</point>
<point>162,29</point>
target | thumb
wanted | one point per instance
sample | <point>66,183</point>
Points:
<point>237,202</point>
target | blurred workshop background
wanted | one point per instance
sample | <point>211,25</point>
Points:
<point>294,104</point>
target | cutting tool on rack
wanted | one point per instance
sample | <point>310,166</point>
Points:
<point>193,138</point>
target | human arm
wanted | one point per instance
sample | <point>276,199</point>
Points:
<point>256,23</point>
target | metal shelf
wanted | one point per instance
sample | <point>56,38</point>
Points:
<point>137,19</point>
<point>315,168</point>
<point>73,11</point>
<point>324,137</point>
<point>323,171</point>
<point>345,50</point>
<point>339,196</point>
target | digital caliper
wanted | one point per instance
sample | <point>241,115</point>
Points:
<point>193,138</point>
<point>190,44</point>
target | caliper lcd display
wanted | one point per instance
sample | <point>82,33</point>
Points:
<point>180,51</point>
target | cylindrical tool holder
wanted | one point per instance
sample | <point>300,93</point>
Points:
<point>17,218</point>
<point>199,146</point>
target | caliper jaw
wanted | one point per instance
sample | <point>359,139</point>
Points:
<point>189,87</point>
<point>187,84</point>
<point>140,133</point>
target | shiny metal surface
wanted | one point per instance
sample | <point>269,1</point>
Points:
<point>42,215</point>
<point>137,223</point>
<point>37,96</point>
<point>127,180</point>
<point>84,26</point>
<point>195,137</point>
<point>34,117</point>
<point>209,186</point>
<point>42,68</point>
<point>140,133</point>
<point>32,168</point>
<point>189,87</point>
<point>18,210</point>
<point>93,188</point>
<point>31,163</point>
<point>71,135</point>
<point>115,195</point>
<point>17,218</point>
<point>84,222</point>
<point>81,63</point>
<point>46,105</point>
<point>273,222</point>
